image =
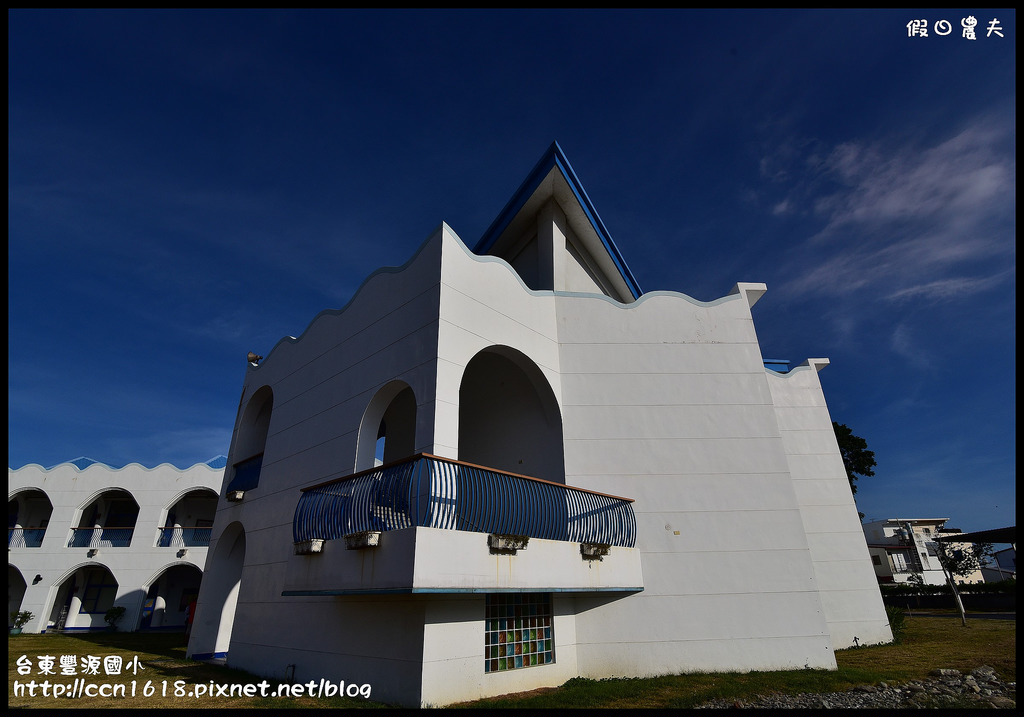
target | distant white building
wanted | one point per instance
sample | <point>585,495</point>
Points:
<point>83,537</point>
<point>901,548</point>
<point>578,479</point>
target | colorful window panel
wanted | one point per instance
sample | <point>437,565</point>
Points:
<point>519,632</point>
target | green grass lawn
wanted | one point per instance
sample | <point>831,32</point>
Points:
<point>929,643</point>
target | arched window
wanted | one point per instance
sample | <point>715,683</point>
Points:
<point>251,440</point>
<point>387,432</point>
<point>28,514</point>
<point>189,520</point>
<point>509,417</point>
<point>107,521</point>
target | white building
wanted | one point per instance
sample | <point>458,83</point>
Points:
<point>83,537</point>
<point>901,548</point>
<point>686,508</point>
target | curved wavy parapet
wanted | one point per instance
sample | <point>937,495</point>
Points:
<point>373,277</point>
<point>750,291</point>
<point>812,363</point>
<point>83,463</point>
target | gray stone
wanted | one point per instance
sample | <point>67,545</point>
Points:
<point>944,688</point>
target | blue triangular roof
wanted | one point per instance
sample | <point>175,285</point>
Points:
<point>82,462</point>
<point>218,462</point>
<point>555,158</point>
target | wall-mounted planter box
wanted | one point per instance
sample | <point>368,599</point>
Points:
<point>366,539</point>
<point>309,547</point>
<point>507,543</point>
<point>594,551</point>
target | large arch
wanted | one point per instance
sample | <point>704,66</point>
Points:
<point>81,597</point>
<point>16,587</point>
<point>509,417</point>
<point>169,594</point>
<point>251,440</point>
<point>215,613</point>
<point>387,431</point>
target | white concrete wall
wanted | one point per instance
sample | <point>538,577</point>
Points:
<point>666,401</point>
<point>842,566</point>
<point>135,567</point>
<point>322,383</point>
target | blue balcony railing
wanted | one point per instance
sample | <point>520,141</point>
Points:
<point>432,492</point>
<point>25,537</point>
<point>100,537</point>
<point>179,537</point>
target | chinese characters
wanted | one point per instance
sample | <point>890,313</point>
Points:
<point>919,27</point>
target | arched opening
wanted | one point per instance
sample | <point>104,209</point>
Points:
<point>215,613</point>
<point>107,521</point>
<point>251,440</point>
<point>387,432</point>
<point>189,520</point>
<point>83,598</point>
<point>508,416</point>
<point>169,596</point>
<point>28,514</point>
<point>15,591</point>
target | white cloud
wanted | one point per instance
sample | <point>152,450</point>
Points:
<point>952,288</point>
<point>903,344</point>
<point>962,175</point>
<point>913,222</point>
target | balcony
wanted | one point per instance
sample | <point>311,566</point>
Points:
<point>179,537</point>
<point>25,537</point>
<point>442,526</point>
<point>100,537</point>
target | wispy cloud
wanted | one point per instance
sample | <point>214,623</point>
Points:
<point>952,288</point>
<point>903,344</point>
<point>959,176</point>
<point>933,221</point>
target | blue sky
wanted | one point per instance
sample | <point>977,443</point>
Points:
<point>188,186</point>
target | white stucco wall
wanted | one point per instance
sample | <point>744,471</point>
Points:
<point>842,566</point>
<point>322,384</point>
<point>666,402</point>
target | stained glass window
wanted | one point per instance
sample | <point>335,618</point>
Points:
<point>519,631</point>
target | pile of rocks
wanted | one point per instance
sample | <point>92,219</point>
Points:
<point>981,688</point>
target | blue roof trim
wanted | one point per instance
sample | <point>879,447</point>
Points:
<point>555,157</point>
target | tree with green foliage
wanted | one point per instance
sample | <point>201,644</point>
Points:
<point>857,459</point>
<point>960,560</point>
